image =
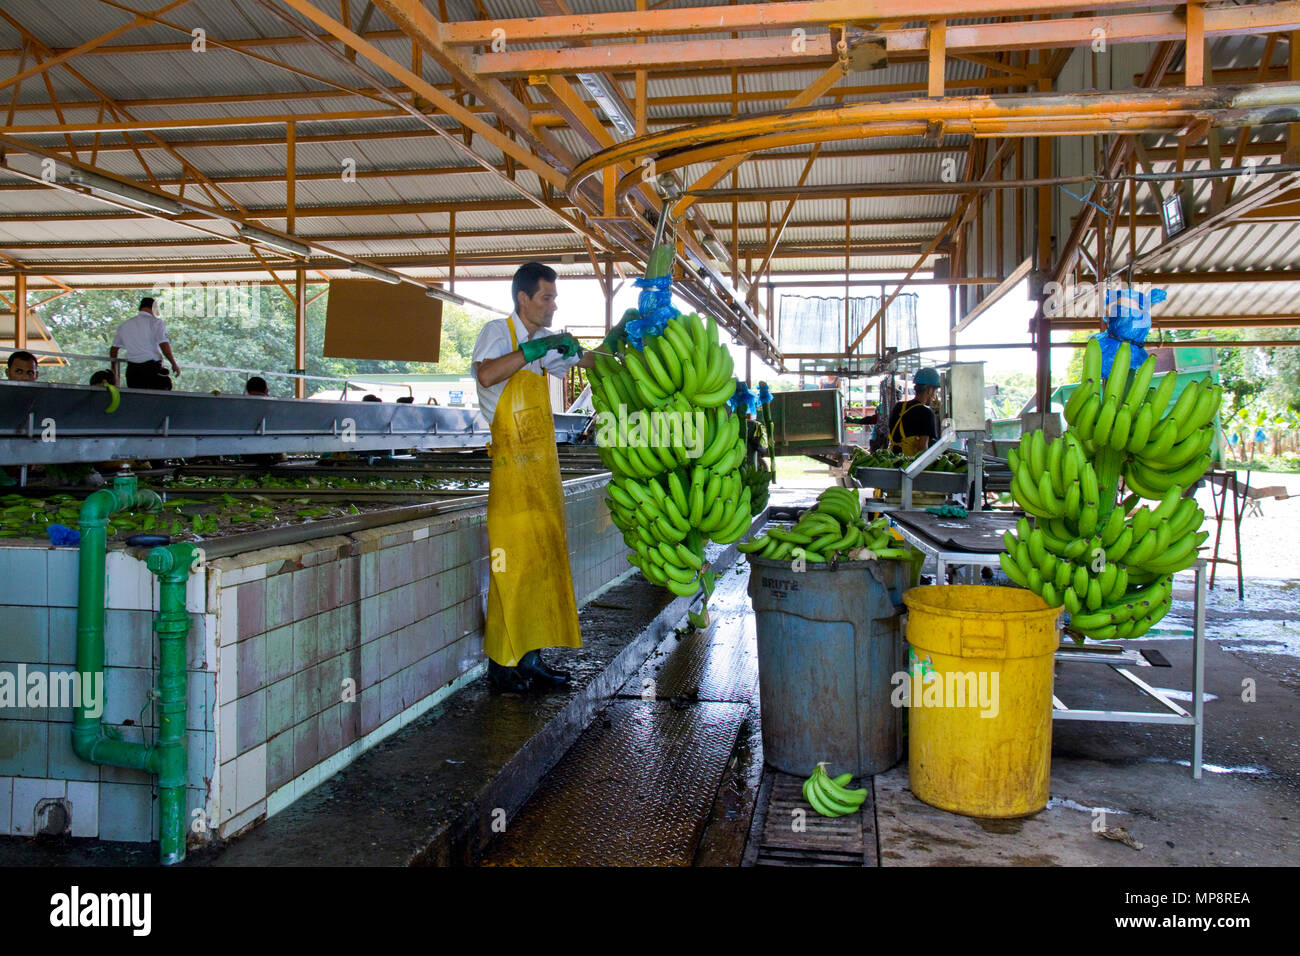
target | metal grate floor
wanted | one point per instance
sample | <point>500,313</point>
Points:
<point>791,833</point>
<point>642,785</point>
<point>635,790</point>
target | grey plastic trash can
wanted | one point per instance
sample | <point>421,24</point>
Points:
<point>829,642</point>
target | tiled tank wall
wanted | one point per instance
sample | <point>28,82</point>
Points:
<point>300,658</point>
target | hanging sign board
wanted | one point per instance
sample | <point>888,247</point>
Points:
<point>368,319</point>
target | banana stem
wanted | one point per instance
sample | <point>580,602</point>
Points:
<point>1108,467</point>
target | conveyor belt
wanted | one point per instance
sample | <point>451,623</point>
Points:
<point>45,424</point>
<point>980,532</point>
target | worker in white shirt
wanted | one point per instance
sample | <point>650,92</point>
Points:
<point>145,339</point>
<point>531,603</point>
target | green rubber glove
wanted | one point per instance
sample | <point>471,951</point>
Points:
<point>618,333</point>
<point>564,343</point>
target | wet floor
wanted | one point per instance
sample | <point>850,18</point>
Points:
<point>642,785</point>
<point>655,776</point>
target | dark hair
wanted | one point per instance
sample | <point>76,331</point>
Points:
<point>406,400</point>
<point>527,278</point>
<point>20,355</point>
<point>146,303</point>
<point>255,386</point>
<point>371,398</point>
<point>104,376</point>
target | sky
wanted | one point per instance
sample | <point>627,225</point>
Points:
<point>581,308</point>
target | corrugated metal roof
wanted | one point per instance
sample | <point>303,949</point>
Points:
<point>219,75</point>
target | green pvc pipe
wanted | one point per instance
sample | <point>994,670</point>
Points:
<point>91,740</point>
<point>172,564</point>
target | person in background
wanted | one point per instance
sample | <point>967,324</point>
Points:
<point>256,386</point>
<point>145,340</point>
<point>913,424</point>
<point>21,367</point>
<point>371,398</point>
<point>406,400</point>
<point>104,376</point>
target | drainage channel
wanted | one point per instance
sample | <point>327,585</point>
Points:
<point>667,773</point>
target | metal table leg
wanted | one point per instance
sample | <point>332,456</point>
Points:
<point>1198,672</point>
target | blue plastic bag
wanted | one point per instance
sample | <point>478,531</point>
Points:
<point>743,401</point>
<point>1128,319</point>
<point>63,536</point>
<point>764,393</point>
<point>656,307</point>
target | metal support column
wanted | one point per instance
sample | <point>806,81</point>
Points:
<point>300,331</point>
<point>20,310</point>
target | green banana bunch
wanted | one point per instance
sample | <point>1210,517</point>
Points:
<point>948,462</point>
<point>832,530</point>
<point>669,497</point>
<point>1155,445</point>
<point>829,796</point>
<point>758,481</point>
<point>687,360</point>
<point>1111,564</point>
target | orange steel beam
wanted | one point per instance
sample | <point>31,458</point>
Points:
<point>199,122</point>
<point>1194,58</point>
<point>752,226</point>
<point>1158,154</point>
<point>958,218</point>
<point>20,311</point>
<point>1115,160</point>
<point>424,29</point>
<point>544,168</point>
<point>539,116</point>
<point>116,109</point>
<point>419,85</point>
<point>1293,71</point>
<point>1058,113</point>
<point>54,103</point>
<point>56,59</point>
<point>1243,134</point>
<point>750,17</point>
<point>554,255</point>
<point>775,239</point>
<point>13,98</point>
<point>810,95</point>
<point>934,42</point>
<point>1120,28</point>
<point>854,191</point>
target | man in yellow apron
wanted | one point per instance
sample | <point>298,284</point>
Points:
<point>531,602</point>
<point>913,424</point>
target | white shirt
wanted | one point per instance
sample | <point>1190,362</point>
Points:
<point>140,336</point>
<point>494,341</point>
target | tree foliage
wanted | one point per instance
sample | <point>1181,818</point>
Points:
<point>258,336</point>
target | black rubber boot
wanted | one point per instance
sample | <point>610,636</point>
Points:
<point>509,679</point>
<point>532,666</point>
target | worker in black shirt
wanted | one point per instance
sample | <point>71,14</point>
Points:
<point>913,424</point>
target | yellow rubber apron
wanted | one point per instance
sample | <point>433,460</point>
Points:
<point>530,593</point>
<point>899,440</point>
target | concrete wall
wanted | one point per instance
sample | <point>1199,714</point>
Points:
<point>300,658</point>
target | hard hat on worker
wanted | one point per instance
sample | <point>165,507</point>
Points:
<point>926,377</point>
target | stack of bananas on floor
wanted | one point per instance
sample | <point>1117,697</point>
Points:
<point>1112,564</point>
<point>832,530</point>
<point>667,503</point>
<point>829,796</point>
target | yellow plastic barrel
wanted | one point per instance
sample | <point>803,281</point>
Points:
<point>979,698</point>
